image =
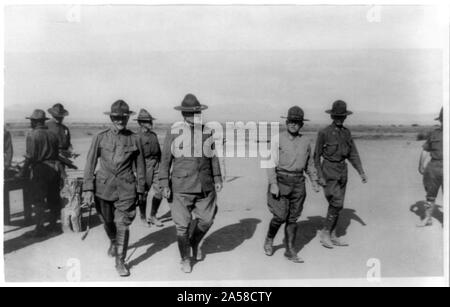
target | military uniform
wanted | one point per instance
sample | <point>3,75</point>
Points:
<point>62,132</point>
<point>41,159</point>
<point>433,176</point>
<point>7,148</point>
<point>116,186</point>
<point>334,146</point>
<point>193,186</point>
<point>291,158</point>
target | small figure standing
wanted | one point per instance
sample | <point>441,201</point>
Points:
<point>62,131</point>
<point>433,172</point>
<point>114,185</point>
<point>7,148</point>
<point>291,158</point>
<point>43,169</point>
<point>196,180</point>
<point>334,145</point>
<point>152,156</point>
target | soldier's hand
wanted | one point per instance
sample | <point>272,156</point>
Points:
<point>275,190</point>
<point>167,192</point>
<point>421,169</point>
<point>364,178</point>
<point>88,199</point>
<point>218,187</point>
<point>322,182</point>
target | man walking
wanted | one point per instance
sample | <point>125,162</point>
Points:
<point>43,169</point>
<point>335,145</point>
<point>115,185</point>
<point>195,177</point>
<point>291,158</point>
<point>433,172</point>
<point>152,156</point>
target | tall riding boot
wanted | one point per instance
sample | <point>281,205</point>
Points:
<point>142,211</point>
<point>291,254</point>
<point>39,230</point>
<point>111,232</point>
<point>122,246</point>
<point>271,233</point>
<point>195,239</point>
<point>428,220</point>
<point>334,238</point>
<point>325,235</point>
<point>156,202</point>
<point>185,253</point>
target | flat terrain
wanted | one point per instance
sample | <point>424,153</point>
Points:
<point>378,222</point>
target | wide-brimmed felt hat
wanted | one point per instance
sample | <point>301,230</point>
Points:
<point>190,103</point>
<point>441,114</point>
<point>38,114</point>
<point>295,114</point>
<point>339,108</point>
<point>120,108</point>
<point>144,116</point>
<point>58,110</point>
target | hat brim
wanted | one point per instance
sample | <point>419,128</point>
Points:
<point>340,114</point>
<point>144,119</point>
<point>438,118</point>
<point>119,114</point>
<point>191,109</point>
<point>296,119</point>
<point>65,113</point>
<point>45,118</point>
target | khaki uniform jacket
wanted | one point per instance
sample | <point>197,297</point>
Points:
<point>120,154</point>
<point>152,154</point>
<point>190,173</point>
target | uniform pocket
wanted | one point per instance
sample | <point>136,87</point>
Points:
<point>331,148</point>
<point>180,173</point>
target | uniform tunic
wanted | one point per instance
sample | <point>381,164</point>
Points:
<point>433,176</point>
<point>62,132</point>
<point>152,155</point>
<point>7,148</point>
<point>335,145</point>
<point>193,177</point>
<point>291,158</point>
<point>115,184</point>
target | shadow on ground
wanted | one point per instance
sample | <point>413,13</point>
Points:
<point>229,237</point>
<point>27,239</point>
<point>156,241</point>
<point>419,209</point>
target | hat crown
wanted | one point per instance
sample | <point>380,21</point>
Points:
<point>38,114</point>
<point>144,115</point>
<point>190,101</point>
<point>120,107</point>
<point>295,113</point>
<point>58,110</point>
<point>58,107</point>
<point>339,107</point>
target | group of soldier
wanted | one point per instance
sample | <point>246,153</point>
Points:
<point>122,168</point>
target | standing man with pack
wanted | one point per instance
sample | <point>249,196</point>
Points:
<point>196,179</point>
<point>152,156</point>
<point>43,169</point>
<point>115,186</point>
<point>433,173</point>
<point>291,158</point>
<point>335,145</point>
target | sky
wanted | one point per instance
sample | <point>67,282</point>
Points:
<point>244,62</point>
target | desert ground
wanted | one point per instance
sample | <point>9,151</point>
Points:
<point>379,221</point>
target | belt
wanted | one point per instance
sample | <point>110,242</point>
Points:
<point>289,174</point>
<point>342,161</point>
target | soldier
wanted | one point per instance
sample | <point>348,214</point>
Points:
<point>335,145</point>
<point>115,185</point>
<point>152,155</point>
<point>433,172</point>
<point>291,157</point>
<point>196,180</point>
<point>56,125</point>
<point>7,148</point>
<point>44,170</point>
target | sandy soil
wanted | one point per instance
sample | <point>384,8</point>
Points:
<point>378,222</point>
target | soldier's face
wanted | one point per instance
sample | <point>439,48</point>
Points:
<point>59,119</point>
<point>339,120</point>
<point>146,125</point>
<point>294,126</point>
<point>193,118</point>
<point>120,122</point>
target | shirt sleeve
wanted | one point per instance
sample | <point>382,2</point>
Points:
<point>140,167</point>
<point>30,151</point>
<point>166,161</point>
<point>354,158</point>
<point>91,163</point>
<point>310,168</point>
<point>318,153</point>
<point>274,161</point>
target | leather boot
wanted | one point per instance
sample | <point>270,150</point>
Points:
<point>336,240</point>
<point>142,211</point>
<point>122,246</point>
<point>325,234</point>
<point>185,252</point>
<point>156,202</point>
<point>112,250</point>
<point>271,233</point>
<point>290,253</point>
<point>428,220</point>
<point>195,240</point>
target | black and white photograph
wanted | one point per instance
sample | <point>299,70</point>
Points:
<point>231,144</point>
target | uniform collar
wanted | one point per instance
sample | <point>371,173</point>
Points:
<point>292,137</point>
<point>337,127</point>
<point>144,130</point>
<point>116,131</point>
